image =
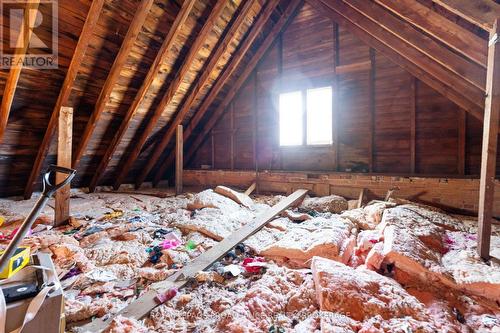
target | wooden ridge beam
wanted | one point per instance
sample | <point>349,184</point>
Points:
<point>235,60</point>
<point>382,41</point>
<point>62,100</point>
<point>219,51</point>
<point>438,26</point>
<point>490,145</point>
<point>482,13</point>
<point>447,66</point>
<point>22,45</point>
<point>150,76</point>
<point>266,44</point>
<point>144,304</point>
<point>134,29</point>
<point>172,89</point>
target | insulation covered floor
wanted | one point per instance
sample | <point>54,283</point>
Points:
<point>387,267</point>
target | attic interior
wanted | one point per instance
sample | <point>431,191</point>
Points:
<point>250,166</point>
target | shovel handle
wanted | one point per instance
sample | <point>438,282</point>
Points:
<point>48,188</point>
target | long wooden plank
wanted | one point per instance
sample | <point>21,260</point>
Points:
<point>202,81</point>
<point>438,26</point>
<point>179,165</point>
<point>466,76</point>
<point>62,100</point>
<point>150,76</point>
<point>490,144</point>
<point>482,13</point>
<point>64,146</point>
<point>22,45</point>
<point>265,45</point>
<point>370,35</point>
<point>172,89</point>
<point>235,60</point>
<point>144,304</point>
<point>134,29</point>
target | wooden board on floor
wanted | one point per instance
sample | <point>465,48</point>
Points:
<point>144,304</point>
<point>251,189</point>
<point>64,141</point>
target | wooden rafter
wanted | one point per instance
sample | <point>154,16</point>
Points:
<point>490,145</point>
<point>466,77</point>
<point>219,51</point>
<point>62,100</point>
<point>113,75</point>
<point>406,56</point>
<point>22,45</point>
<point>153,70</point>
<point>482,13</point>
<point>438,26</point>
<point>236,59</point>
<point>268,41</point>
<point>172,89</point>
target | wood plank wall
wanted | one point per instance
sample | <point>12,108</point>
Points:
<point>387,121</point>
<point>458,195</point>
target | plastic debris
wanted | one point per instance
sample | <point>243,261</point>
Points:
<point>166,296</point>
<point>233,269</point>
<point>136,219</point>
<point>160,233</point>
<point>168,244</point>
<point>2,220</point>
<point>154,253</point>
<point>254,265</point>
<point>191,245</point>
<point>72,272</point>
<point>113,215</point>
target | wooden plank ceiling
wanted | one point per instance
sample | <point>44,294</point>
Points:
<point>134,70</point>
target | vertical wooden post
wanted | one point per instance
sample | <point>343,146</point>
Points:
<point>371,150</point>
<point>462,129</point>
<point>413,125</point>
<point>64,142</point>
<point>335,97</point>
<point>490,138</point>
<point>178,160</point>
<point>231,110</point>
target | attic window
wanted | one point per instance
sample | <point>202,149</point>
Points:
<point>314,117</point>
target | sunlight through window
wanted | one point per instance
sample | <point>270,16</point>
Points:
<point>290,113</point>
<point>319,116</point>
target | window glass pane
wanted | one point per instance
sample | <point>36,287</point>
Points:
<point>319,116</point>
<point>290,118</point>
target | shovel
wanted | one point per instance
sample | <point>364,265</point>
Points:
<point>48,190</point>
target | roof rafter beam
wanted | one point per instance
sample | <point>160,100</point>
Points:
<point>219,51</point>
<point>172,89</point>
<point>466,77</point>
<point>150,76</point>
<point>230,68</point>
<point>271,37</point>
<point>405,56</point>
<point>62,100</point>
<point>22,45</point>
<point>482,13</point>
<point>448,32</point>
<point>141,13</point>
